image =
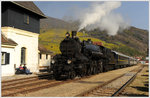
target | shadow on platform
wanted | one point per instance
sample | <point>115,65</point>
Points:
<point>135,95</point>
<point>88,82</point>
<point>145,89</point>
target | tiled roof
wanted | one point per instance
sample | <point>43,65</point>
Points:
<point>42,49</point>
<point>29,5</point>
<point>6,41</point>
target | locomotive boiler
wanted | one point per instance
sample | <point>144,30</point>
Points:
<point>83,58</point>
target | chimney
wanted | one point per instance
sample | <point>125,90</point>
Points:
<point>74,33</point>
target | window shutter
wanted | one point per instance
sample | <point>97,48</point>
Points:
<point>7,58</point>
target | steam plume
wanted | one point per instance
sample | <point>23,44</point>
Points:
<point>101,15</point>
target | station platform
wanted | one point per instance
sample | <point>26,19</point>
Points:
<point>18,76</point>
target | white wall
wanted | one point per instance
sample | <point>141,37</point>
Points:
<point>43,61</point>
<point>142,62</point>
<point>8,70</point>
<point>147,58</point>
<point>26,39</point>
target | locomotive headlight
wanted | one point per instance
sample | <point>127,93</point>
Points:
<point>69,61</point>
<point>53,61</point>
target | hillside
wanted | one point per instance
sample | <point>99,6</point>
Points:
<point>52,38</point>
<point>133,42</point>
<point>54,23</point>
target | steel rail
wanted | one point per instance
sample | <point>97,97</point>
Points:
<point>43,85</point>
<point>126,84</point>
<point>104,84</point>
<point>97,87</point>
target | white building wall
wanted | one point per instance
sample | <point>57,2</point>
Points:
<point>43,61</point>
<point>26,39</point>
<point>8,69</point>
<point>142,62</point>
<point>147,58</point>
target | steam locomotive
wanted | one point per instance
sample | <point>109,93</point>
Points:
<point>85,58</point>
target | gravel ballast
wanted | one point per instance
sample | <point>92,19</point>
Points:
<point>74,88</point>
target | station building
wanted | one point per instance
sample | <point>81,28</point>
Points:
<point>8,51</point>
<point>44,58</point>
<point>20,30</point>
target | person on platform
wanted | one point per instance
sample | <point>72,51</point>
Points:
<point>27,71</point>
<point>20,67</point>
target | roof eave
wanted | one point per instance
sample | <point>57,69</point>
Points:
<point>42,16</point>
<point>9,44</point>
<point>46,52</point>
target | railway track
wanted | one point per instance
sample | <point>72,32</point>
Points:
<point>112,87</point>
<point>14,86</point>
<point>30,84</point>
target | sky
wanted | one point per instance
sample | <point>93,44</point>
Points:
<point>136,12</point>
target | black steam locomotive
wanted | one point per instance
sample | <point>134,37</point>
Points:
<point>84,58</point>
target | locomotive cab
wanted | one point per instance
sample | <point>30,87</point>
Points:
<point>92,50</point>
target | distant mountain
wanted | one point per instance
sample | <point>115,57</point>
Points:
<point>54,23</point>
<point>133,42</point>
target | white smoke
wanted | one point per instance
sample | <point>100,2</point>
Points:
<point>101,15</point>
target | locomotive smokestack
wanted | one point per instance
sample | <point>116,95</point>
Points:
<point>74,33</point>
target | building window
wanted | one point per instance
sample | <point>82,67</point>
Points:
<point>23,55</point>
<point>5,58</point>
<point>26,18</point>
<point>40,56</point>
<point>46,56</point>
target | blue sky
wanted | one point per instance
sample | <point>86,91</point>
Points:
<point>137,12</point>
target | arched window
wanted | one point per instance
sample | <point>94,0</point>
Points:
<point>23,55</point>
